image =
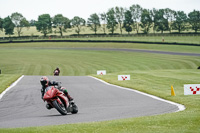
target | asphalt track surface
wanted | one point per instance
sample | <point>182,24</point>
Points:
<point>131,50</point>
<point>141,50</point>
<point>22,106</point>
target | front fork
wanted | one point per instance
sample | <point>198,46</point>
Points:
<point>57,99</point>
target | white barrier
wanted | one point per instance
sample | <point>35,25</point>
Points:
<point>101,72</point>
<point>123,77</point>
<point>191,89</point>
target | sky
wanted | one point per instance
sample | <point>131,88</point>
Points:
<point>31,9</point>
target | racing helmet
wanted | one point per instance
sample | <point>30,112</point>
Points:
<point>44,81</point>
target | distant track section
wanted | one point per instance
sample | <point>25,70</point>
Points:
<point>135,50</point>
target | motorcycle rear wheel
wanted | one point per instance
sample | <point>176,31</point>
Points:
<point>60,108</point>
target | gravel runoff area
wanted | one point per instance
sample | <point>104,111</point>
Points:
<point>22,105</point>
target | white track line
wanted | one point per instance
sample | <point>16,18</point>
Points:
<point>11,86</point>
<point>180,106</point>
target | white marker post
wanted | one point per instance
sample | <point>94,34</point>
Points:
<point>101,72</point>
<point>191,89</point>
<point>123,77</point>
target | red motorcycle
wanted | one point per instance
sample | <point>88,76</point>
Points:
<point>57,99</point>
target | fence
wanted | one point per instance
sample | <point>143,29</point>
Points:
<point>85,36</point>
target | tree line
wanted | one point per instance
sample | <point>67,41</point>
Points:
<point>135,18</point>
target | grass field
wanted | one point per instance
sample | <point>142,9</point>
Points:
<point>150,73</point>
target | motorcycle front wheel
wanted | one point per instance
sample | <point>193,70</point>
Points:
<point>60,107</point>
<point>74,109</point>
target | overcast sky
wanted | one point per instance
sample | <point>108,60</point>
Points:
<point>31,9</point>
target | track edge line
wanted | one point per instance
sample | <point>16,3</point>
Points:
<point>11,86</point>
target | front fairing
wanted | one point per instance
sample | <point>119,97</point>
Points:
<point>50,93</point>
<point>63,98</point>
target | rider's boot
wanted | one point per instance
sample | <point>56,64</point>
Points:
<point>68,96</point>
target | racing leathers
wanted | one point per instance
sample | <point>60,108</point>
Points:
<point>57,86</point>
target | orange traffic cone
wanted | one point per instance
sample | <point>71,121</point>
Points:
<point>172,91</point>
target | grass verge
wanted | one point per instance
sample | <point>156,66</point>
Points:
<point>6,80</point>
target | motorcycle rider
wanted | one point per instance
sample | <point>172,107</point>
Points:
<point>45,82</point>
<point>56,72</point>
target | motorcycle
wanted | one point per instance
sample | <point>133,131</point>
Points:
<point>56,73</point>
<point>57,99</point>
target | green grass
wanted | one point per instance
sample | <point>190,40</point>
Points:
<point>42,61</point>
<point>6,80</point>
<point>150,73</point>
<point>63,45</point>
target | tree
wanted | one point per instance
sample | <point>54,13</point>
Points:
<point>119,12</point>
<point>153,13</point>
<point>160,22</point>
<point>169,15</point>
<point>19,21</point>
<point>111,20</point>
<point>136,11</point>
<point>94,22</point>
<point>128,21</point>
<point>104,19</point>
<point>180,21</point>
<point>1,24</point>
<point>61,23</point>
<point>194,20</point>
<point>146,21</point>
<point>32,22</point>
<point>43,24</point>
<point>8,26</point>
<point>78,23</point>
